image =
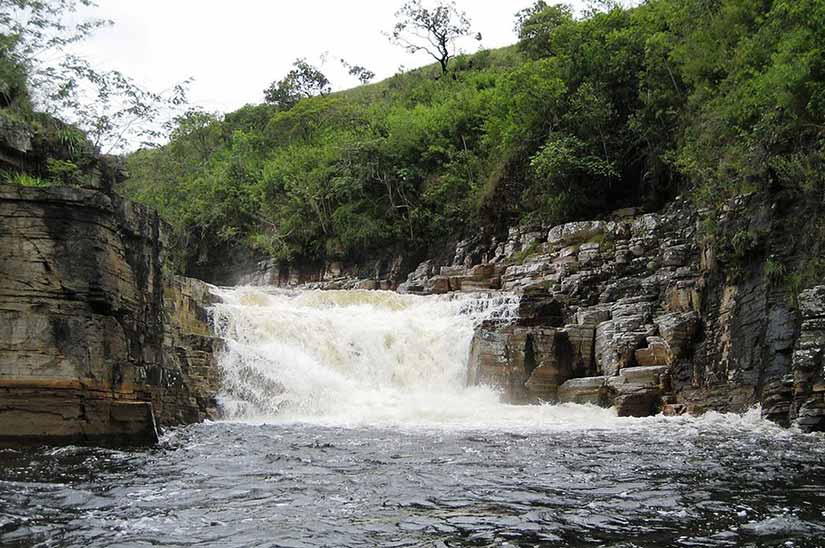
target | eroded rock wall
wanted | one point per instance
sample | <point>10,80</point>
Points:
<point>97,340</point>
<point>241,266</point>
<point>646,312</point>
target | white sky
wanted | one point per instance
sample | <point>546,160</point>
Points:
<point>234,49</point>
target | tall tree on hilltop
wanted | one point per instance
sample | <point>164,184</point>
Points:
<point>536,24</point>
<point>434,31</point>
<point>303,81</point>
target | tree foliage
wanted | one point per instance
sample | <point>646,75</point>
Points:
<point>535,26</point>
<point>303,81</point>
<point>36,65</point>
<point>619,107</point>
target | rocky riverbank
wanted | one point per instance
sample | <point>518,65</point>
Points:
<point>98,341</point>
<point>640,311</point>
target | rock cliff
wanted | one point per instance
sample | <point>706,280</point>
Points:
<point>97,340</point>
<point>643,312</point>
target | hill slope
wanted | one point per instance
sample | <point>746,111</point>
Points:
<point>628,106</point>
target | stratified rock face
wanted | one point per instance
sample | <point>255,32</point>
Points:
<point>809,361</point>
<point>529,363</point>
<point>607,308</point>
<point>242,266</point>
<point>96,341</point>
<point>645,316</point>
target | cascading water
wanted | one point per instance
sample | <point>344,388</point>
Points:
<point>352,356</point>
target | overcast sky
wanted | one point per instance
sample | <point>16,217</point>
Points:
<point>234,49</point>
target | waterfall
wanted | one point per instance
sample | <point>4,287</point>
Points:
<point>361,354</point>
<point>363,358</point>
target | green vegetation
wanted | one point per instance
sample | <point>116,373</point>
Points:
<point>584,115</point>
<point>775,271</point>
<point>42,85</point>
<point>622,106</point>
<point>24,179</point>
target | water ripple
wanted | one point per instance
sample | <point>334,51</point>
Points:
<point>713,483</point>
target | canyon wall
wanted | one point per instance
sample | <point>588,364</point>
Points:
<point>98,341</point>
<point>651,313</point>
<point>238,265</point>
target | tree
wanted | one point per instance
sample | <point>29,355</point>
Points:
<point>303,81</point>
<point>112,109</point>
<point>363,74</point>
<point>434,31</point>
<point>535,26</point>
<point>522,16</point>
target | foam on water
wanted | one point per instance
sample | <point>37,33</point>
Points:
<point>378,358</point>
<point>356,357</point>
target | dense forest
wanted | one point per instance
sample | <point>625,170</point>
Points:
<point>585,114</point>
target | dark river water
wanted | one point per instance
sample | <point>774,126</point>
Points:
<point>714,481</point>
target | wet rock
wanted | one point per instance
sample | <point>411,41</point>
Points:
<point>437,285</point>
<point>592,390</point>
<point>417,279</point>
<point>527,363</point>
<point>635,400</point>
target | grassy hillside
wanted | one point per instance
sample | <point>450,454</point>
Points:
<point>626,106</point>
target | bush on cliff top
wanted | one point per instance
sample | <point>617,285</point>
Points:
<point>620,106</point>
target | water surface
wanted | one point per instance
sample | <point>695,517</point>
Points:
<point>716,481</point>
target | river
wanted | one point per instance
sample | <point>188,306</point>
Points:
<point>349,423</point>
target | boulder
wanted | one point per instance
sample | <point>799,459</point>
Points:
<point>592,390</point>
<point>635,400</point>
<point>574,233</point>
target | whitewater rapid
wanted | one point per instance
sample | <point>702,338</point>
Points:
<point>360,357</point>
<point>379,358</point>
<point>350,424</point>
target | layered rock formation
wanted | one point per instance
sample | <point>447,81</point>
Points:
<point>97,340</point>
<point>809,361</point>
<point>239,265</point>
<point>640,312</point>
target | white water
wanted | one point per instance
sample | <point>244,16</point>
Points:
<point>373,358</point>
<point>354,356</point>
